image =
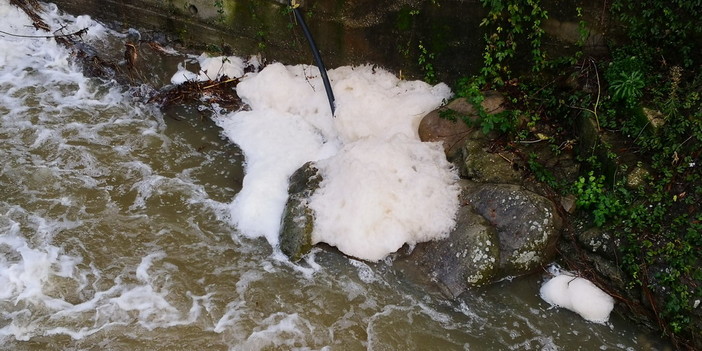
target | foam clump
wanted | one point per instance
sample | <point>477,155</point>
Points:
<point>382,186</point>
<point>378,194</point>
<point>578,295</point>
<point>211,68</point>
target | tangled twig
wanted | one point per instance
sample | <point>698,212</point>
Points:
<point>78,33</point>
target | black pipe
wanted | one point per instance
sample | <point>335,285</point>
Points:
<point>315,53</point>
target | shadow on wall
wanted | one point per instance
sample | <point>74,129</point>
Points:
<point>417,39</point>
<point>388,33</point>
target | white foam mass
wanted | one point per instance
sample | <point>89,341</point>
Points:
<point>382,186</point>
<point>578,295</point>
<point>378,194</point>
<point>211,68</point>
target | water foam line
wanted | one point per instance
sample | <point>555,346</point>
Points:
<point>315,52</point>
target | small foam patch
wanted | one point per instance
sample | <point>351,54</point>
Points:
<point>578,295</point>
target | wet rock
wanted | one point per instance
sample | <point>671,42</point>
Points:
<point>527,224</point>
<point>298,219</point>
<point>468,257</point>
<point>598,241</point>
<point>482,166</point>
<point>494,102</point>
<point>568,203</point>
<point>609,271</point>
<point>502,230</point>
<point>451,133</point>
<point>446,125</point>
<point>636,178</point>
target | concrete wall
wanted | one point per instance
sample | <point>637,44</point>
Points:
<point>383,32</point>
<point>194,23</point>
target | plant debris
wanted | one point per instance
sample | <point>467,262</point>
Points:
<point>220,91</point>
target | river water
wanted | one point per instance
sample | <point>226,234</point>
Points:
<point>115,235</point>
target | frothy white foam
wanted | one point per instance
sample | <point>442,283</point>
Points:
<point>25,272</point>
<point>211,68</point>
<point>23,279</point>
<point>578,295</point>
<point>382,187</point>
<point>379,194</point>
<point>275,145</point>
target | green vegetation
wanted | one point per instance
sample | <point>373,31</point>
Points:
<point>219,5</point>
<point>593,196</point>
<point>647,91</point>
<point>511,26</point>
<point>261,25</point>
<point>472,90</point>
<point>513,22</point>
<point>426,64</point>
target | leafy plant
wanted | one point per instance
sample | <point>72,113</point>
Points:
<point>511,21</point>
<point>426,64</point>
<point>655,63</point>
<point>591,195</point>
<point>627,87</point>
<point>219,5</point>
<point>500,122</point>
<point>541,173</point>
<point>669,28</point>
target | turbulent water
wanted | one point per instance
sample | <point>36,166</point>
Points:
<point>115,235</point>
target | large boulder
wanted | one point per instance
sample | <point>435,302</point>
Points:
<point>466,146</point>
<point>451,132</point>
<point>468,257</point>
<point>502,230</point>
<point>527,224</point>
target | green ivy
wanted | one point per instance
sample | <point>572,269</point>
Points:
<point>426,64</point>
<point>655,63</point>
<point>591,195</point>
<point>471,89</point>
<point>669,28</point>
<point>510,22</point>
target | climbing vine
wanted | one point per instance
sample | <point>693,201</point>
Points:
<point>511,23</point>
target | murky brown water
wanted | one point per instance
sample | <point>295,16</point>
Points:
<point>114,235</point>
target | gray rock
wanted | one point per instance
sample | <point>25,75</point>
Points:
<point>527,225</point>
<point>637,178</point>
<point>468,257</point>
<point>298,219</point>
<point>482,166</point>
<point>609,271</point>
<point>598,241</point>
<point>501,230</point>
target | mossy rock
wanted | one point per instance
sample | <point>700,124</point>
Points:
<point>502,230</point>
<point>298,219</point>
<point>482,166</point>
<point>469,257</point>
<point>527,225</point>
